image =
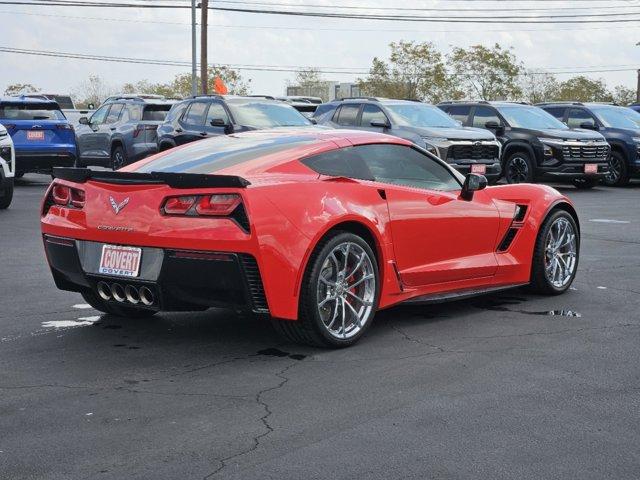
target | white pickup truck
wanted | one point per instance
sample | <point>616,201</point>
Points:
<point>7,168</point>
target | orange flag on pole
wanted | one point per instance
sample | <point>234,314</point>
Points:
<point>219,87</point>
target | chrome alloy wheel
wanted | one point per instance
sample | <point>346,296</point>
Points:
<point>615,169</point>
<point>561,253</point>
<point>346,290</point>
<point>517,170</point>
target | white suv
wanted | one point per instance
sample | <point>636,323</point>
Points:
<point>7,168</point>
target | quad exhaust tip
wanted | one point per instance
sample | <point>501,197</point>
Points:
<point>129,293</point>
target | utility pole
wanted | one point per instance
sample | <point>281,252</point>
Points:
<point>194,55</point>
<point>204,14</point>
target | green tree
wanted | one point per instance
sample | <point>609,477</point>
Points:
<point>236,84</point>
<point>623,95</point>
<point>309,82</point>
<point>92,91</point>
<point>487,73</point>
<point>584,89</point>
<point>20,88</point>
<point>414,70</point>
<point>538,87</point>
<point>144,86</point>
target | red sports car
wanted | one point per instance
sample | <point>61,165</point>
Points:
<point>316,228</point>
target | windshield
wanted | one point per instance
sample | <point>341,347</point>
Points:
<point>267,115</point>
<point>420,115</point>
<point>617,117</point>
<point>30,112</point>
<point>522,116</point>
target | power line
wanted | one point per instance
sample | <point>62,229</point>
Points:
<point>286,68</point>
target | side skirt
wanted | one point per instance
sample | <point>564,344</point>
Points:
<point>458,295</point>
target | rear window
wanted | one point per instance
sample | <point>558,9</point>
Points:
<point>215,154</point>
<point>64,101</point>
<point>155,112</point>
<point>266,114</point>
<point>30,111</point>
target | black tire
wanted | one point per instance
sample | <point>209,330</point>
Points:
<point>309,328</point>
<point>117,310</point>
<point>585,183</point>
<point>518,168</point>
<point>618,175</point>
<point>539,281</point>
<point>118,158</point>
<point>6,194</point>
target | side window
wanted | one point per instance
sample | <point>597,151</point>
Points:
<point>99,115</point>
<point>114,113</point>
<point>577,117</point>
<point>459,112</point>
<point>333,163</point>
<point>347,115</point>
<point>176,111</point>
<point>195,114</point>
<point>216,111</point>
<point>483,115</point>
<point>403,165</point>
<point>557,112</point>
<point>134,112</point>
<point>372,113</point>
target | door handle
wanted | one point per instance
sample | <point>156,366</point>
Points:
<point>112,128</point>
<point>179,130</point>
<point>203,134</point>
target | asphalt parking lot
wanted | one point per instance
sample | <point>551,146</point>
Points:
<point>489,388</point>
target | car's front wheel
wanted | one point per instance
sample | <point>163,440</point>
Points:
<point>339,294</point>
<point>6,194</point>
<point>555,257</point>
<point>618,175</point>
<point>118,310</point>
<point>518,168</point>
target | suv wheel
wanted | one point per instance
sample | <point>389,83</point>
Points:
<point>618,174</point>
<point>118,158</point>
<point>6,194</point>
<point>518,168</point>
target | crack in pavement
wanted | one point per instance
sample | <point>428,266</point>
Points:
<point>264,419</point>
<point>415,340</point>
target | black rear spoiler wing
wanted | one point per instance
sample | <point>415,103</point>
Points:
<point>174,180</point>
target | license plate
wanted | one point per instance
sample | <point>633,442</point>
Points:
<point>480,169</point>
<point>591,168</point>
<point>35,135</point>
<point>120,261</point>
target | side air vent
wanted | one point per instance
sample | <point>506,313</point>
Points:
<point>521,211</point>
<point>240,216</point>
<point>254,283</point>
<point>507,240</point>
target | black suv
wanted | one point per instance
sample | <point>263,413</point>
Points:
<point>468,150</point>
<point>536,145</point>
<point>121,131</point>
<point>212,115</point>
<point>619,125</point>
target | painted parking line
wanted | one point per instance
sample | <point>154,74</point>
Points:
<point>608,220</point>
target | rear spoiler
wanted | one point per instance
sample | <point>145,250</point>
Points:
<point>174,180</point>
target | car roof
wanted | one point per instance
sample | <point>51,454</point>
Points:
<point>150,101</point>
<point>27,100</point>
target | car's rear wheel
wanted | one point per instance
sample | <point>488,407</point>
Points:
<point>555,258</point>
<point>618,175</point>
<point>518,168</point>
<point>6,194</point>
<point>585,183</point>
<point>339,294</point>
<point>119,310</point>
<point>118,158</point>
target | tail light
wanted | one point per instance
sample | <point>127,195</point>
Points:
<point>64,126</point>
<point>141,128</point>
<point>217,205</point>
<point>67,196</point>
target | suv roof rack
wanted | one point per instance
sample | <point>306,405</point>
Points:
<point>373,99</point>
<point>268,97</point>
<point>209,95</point>
<point>560,103</point>
<point>452,102</point>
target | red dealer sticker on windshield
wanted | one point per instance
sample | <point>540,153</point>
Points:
<point>120,261</point>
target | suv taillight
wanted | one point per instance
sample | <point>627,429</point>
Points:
<point>216,205</point>
<point>64,126</point>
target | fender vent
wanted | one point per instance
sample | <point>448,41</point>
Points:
<point>254,283</point>
<point>507,240</point>
<point>521,211</point>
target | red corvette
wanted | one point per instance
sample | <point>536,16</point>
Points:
<point>316,228</point>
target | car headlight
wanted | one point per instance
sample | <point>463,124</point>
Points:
<point>636,139</point>
<point>434,140</point>
<point>556,142</point>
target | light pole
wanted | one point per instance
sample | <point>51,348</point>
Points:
<point>194,71</point>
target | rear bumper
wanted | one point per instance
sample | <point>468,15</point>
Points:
<point>42,161</point>
<point>178,279</point>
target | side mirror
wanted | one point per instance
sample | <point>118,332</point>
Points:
<point>380,124</point>
<point>218,122</point>
<point>314,121</point>
<point>494,127</point>
<point>472,183</point>
<point>83,121</point>
<point>588,126</point>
